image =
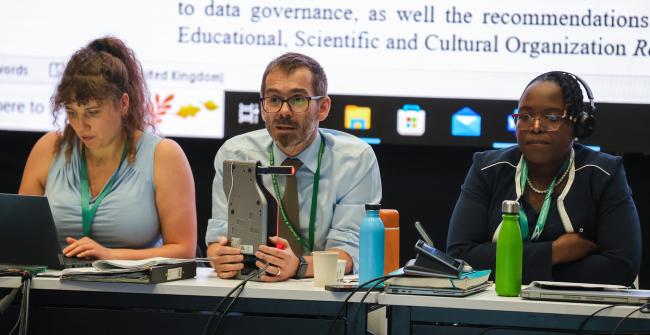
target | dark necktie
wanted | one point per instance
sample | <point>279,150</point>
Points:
<point>291,207</point>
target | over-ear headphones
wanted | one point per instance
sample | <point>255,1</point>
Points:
<point>584,122</point>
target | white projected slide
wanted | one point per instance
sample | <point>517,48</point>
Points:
<point>192,51</point>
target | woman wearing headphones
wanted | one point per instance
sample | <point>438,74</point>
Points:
<point>577,217</point>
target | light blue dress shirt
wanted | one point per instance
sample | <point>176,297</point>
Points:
<point>349,178</point>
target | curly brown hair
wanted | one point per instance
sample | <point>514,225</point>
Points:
<point>103,71</point>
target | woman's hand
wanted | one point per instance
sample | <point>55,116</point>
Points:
<point>86,247</point>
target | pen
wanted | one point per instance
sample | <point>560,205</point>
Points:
<point>423,233</point>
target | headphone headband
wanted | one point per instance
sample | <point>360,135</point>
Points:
<point>584,122</point>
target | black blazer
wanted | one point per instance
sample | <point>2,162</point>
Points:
<point>596,201</point>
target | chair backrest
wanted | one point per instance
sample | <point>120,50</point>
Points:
<point>390,218</point>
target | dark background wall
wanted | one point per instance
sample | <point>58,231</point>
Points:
<point>423,183</point>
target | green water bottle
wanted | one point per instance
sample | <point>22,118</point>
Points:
<point>509,251</point>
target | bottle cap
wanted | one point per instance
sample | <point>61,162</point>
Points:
<point>373,207</point>
<point>510,207</point>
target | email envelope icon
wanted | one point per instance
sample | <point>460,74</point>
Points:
<point>512,126</point>
<point>466,122</point>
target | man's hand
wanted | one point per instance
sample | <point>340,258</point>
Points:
<point>86,247</point>
<point>283,263</point>
<point>571,247</point>
<point>225,260</point>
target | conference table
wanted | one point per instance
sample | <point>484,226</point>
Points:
<point>293,307</point>
<point>487,313</point>
<point>184,307</point>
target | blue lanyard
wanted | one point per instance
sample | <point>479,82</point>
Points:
<point>543,214</point>
<point>307,245</point>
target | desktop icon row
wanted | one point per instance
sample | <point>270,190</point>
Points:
<point>411,120</point>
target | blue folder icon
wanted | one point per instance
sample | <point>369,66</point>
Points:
<point>466,122</point>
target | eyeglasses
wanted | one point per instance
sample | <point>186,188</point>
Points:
<point>548,122</point>
<point>296,103</point>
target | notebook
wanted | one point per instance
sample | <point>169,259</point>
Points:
<point>587,294</point>
<point>28,235</point>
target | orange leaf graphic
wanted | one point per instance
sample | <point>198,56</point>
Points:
<point>160,108</point>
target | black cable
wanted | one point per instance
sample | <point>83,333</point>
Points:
<point>28,286</point>
<point>361,286</point>
<point>356,314</point>
<point>20,313</point>
<point>628,315</point>
<point>24,302</point>
<point>227,309</point>
<point>242,283</point>
<point>216,309</point>
<point>584,322</point>
<point>7,299</point>
<point>579,330</point>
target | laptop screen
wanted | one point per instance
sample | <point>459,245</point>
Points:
<point>27,232</point>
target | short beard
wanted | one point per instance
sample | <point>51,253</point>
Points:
<point>290,142</point>
<point>285,141</point>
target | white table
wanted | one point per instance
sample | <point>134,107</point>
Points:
<point>474,314</point>
<point>184,306</point>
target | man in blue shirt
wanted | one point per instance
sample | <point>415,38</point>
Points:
<point>294,100</point>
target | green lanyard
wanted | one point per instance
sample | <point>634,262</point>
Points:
<point>543,214</point>
<point>87,210</point>
<point>309,246</point>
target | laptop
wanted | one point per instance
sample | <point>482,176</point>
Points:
<point>28,235</point>
<point>441,292</point>
<point>590,295</point>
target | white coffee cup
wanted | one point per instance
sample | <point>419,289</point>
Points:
<point>325,267</point>
<point>340,270</point>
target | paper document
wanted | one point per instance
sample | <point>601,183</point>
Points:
<point>106,264</point>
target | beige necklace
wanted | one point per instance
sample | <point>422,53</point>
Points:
<point>559,181</point>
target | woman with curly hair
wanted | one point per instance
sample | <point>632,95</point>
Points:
<point>116,190</point>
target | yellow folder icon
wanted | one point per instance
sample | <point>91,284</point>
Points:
<point>357,117</point>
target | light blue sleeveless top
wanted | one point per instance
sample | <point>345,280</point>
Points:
<point>126,218</point>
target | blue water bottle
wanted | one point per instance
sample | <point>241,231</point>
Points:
<point>371,246</point>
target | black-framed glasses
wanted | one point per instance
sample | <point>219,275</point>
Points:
<point>548,122</point>
<point>296,103</point>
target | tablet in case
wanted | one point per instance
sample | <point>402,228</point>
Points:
<point>430,261</point>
